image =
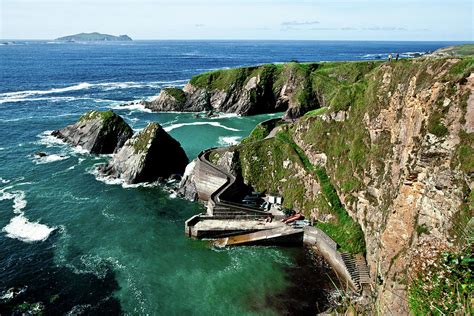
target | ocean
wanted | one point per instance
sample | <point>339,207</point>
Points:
<point>71,243</point>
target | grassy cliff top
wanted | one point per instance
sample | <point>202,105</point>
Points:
<point>459,50</point>
<point>279,73</point>
<point>109,119</point>
<point>177,94</point>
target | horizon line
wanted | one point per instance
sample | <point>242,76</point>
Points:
<point>250,39</point>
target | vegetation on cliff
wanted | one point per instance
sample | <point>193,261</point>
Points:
<point>177,94</point>
<point>443,285</point>
<point>100,132</point>
<point>383,156</point>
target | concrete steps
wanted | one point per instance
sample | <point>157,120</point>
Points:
<point>357,268</point>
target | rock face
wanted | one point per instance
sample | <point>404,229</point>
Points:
<point>187,186</point>
<point>255,90</point>
<point>395,150</point>
<point>97,132</point>
<point>147,156</point>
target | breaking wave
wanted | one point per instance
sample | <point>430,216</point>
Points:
<point>134,106</point>
<point>215,124</point>
<point>229,140</point>
<point>40,95</point>
<point>117,181</point>
<point>49,158</point>
<point>20,227</point>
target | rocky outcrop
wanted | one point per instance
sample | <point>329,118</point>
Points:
<point>169,99</point>
<point>388,166</point>
<point>97,132</point>
<point>255,90</point>
<point>149,155</point>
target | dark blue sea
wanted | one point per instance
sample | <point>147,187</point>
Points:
<point>72,244</point>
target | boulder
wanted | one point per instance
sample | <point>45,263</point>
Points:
<point>97,132</point>
<point>147,156</point>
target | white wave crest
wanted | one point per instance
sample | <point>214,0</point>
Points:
<point>49,140</point>
<point>117,181</point>
<point>53,99</point>
<point>20,227</point>
<point>229,140</point>
<point>49,158</point>
<point>29,95</point>
<point>133,106</point>
<point>225,115</point>
<point>11,293</point>
<point>215,124</point>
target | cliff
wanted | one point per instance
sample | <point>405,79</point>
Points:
<point>384,164</point>
<point>93,37</point>
<point>294,87</point>
<point>97,132</point>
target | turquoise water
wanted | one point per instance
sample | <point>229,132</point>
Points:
<point>70,243</point>
<point>134,236</point>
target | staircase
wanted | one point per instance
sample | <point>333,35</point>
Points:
<point>357,268</point>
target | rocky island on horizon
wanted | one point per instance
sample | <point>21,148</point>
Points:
<point>94,37</point>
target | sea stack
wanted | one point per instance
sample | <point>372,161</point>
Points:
<point>147,156</point>
<point>97,132</point>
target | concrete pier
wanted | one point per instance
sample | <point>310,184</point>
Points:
<point>279,235</point>
<point>234,224</point>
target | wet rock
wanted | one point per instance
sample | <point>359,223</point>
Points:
<point>40,154</point>
<point>97,132</point>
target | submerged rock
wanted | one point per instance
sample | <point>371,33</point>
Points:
<point>41,154</point>
<point>97,132</point>
<point>147,156</point>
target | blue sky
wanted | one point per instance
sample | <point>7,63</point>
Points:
<point>241,19</point>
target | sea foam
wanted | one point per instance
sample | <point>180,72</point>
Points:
<point>133,106</point>
<point>43,95</point>
<point>49,159</point>
<point>215,124</point>
<point>229,140</point>
<point>19,226</point>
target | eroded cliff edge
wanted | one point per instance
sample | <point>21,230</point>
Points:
<point>293,87</point>
<point>384,163</point>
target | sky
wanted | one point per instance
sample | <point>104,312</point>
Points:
<point>443,20</point>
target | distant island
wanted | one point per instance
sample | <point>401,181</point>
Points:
<point>94,37</point>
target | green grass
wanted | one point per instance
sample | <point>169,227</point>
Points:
<point>143,138</point>
<point>445,287</point>
<point>316,112</point>
<point>261,131</point>
<point>92,115</point>
<point>109,120</point>
<point>343,229</point>
<point>177,94</point>
<point>460,50</point>
<point>465,152</point>
<point>435,126</point>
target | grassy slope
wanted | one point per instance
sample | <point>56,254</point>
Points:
<point>316,83</point>
<point>351,87</point>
